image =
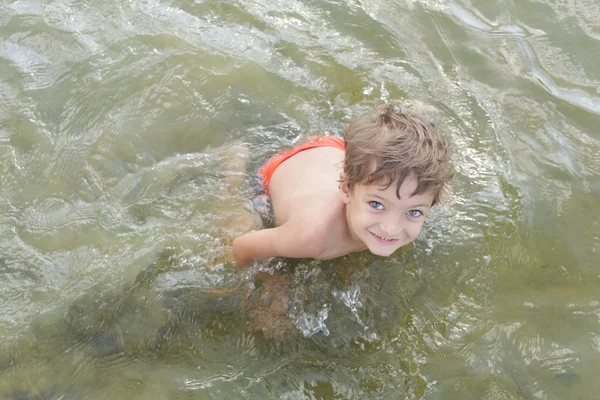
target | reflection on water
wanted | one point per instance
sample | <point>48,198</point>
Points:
<point>116,217</point>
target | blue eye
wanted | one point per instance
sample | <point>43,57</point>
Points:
<point>415,213</point>
<point>376,205</point>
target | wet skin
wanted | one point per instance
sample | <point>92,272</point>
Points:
<point>382,221</point>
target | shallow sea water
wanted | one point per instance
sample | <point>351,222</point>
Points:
<point>114,206</point>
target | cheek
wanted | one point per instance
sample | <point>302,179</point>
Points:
<point>366,218</point>
<point>414,229</point>
<point>357,214</point>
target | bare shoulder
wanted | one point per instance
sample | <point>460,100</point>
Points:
<point>310,233</point>
<point>288,240</point>
<point>303,240</point>
<point>312,226</point>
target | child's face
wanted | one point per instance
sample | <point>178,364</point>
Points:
<point>381,220</point>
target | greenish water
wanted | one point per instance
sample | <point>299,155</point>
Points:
<point>113,202</point>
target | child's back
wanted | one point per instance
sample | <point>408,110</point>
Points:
<point>306,183</point>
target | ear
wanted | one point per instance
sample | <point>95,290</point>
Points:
<point>344,189</point>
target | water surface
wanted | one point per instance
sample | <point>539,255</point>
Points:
<point>114,207</point>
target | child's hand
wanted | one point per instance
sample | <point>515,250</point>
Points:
<point>225,258</point>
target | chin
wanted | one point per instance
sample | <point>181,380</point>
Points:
<point>382,253</point>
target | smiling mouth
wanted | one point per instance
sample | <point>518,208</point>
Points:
<point>383,239</point>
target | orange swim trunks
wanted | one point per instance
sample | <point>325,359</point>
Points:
<point>265,172</point>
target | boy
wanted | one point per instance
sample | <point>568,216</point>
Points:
<point>371,190</point>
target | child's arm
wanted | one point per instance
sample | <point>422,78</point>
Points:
<point>282,241</point>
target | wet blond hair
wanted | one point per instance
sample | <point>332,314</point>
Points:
<point>388,145</point>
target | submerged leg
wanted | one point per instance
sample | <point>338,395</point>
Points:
<point>235,216</point>
<point>236,159</point>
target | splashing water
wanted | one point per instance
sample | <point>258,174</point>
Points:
<point>350,298</point>
<point>310,324</point>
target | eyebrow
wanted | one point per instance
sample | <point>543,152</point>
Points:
<point>384,199</point>
<point>423,205</point>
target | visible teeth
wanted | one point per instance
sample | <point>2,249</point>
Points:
<point>381,237</point>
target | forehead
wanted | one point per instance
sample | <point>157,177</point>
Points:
<point>408,187</point>
<point>406,192</point>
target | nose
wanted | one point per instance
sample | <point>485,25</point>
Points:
<point>393,226</point>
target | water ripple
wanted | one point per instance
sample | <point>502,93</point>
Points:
<point>116,221</point>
